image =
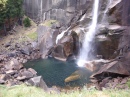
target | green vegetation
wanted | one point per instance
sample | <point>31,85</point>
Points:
<point>29,91</point>
<point>128,83</point>
<point>32,35</point>
<point>9,10</point>
<point>27,22</point>
<point>49,23</point>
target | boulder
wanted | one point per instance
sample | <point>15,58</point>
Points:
<point>94,65</point>
<point>21,78</point>
<point>14,64</point>
<point>67,46</point>
<point>5,77</point>
<point>8,44</point>
<point>112,69</point>
<point>32,71</point>
<point>45,41</point>
<point>27,74</point>
<point>74,76</point>
<point>38,81</point>
<point>11,72</point>
<point>2,81</point>
<point>26,50</point>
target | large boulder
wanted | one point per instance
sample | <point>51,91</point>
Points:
<point>67,46</point>
<point>38,82</point>
<point>14,64</point>
<point>118,67</point>
<point>44,40</point>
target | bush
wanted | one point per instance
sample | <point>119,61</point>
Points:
<point>27,22</point>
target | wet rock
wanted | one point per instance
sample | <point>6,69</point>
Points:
<point>71,58</point>
<point>95,65</point>
<point>38,81</point>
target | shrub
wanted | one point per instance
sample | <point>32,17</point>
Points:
<point>27,22</point>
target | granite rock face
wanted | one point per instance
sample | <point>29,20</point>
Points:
<point>62,10</point>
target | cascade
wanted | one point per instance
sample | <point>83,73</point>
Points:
<point>104,18</point>
<point>86,48</point>
<point>61,35</point>
<point>41,10</point>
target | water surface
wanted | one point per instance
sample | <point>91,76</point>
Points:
<point>54,71</point>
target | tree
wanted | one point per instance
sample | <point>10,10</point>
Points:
<point>10,9</point>
<point>2,14</point>
<point>14,9</point>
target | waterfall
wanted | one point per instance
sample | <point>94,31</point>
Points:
<point>86,48</point>
<point>61,35</point>
<point>104,18</point>
<point>41,11</point>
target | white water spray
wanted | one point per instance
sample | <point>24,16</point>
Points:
<point>61,35</point>
<point>41,10</point>
<point>104,18</point>
<point>84,54</point>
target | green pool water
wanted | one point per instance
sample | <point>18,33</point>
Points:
<point>54,72</point>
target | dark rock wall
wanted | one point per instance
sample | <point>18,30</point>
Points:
<point>126,12</point>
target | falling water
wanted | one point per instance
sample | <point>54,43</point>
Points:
<point>61,35</point>
<point>41,10</point>
<point>84,53</point>
<point>104,18</point>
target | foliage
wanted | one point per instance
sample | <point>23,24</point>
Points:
<point>10,9</point>
<point>29,91</point>
<point>2,11</point>
<point>32,35</point>
<point>128,83</point>
<point>27,22</point>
